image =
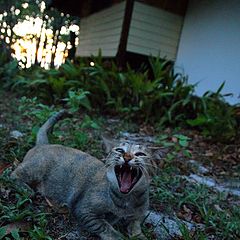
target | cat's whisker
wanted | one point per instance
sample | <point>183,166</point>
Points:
<point>144,170</point>
<point>110,164</point>
<point>151,165</point>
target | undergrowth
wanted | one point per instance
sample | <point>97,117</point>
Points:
<point>165,99</point>
<point>197,203</point>
<point>20,218</point>
<point>169,192</point>
<point>158,95</point>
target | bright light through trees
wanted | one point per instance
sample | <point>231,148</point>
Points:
<point>36,34</point>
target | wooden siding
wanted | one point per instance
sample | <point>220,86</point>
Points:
<point>154,31</point>
<point>101,31</point>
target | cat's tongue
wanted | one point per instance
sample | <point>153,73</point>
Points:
<point>126,181</point>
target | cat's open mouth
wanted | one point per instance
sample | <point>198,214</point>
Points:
<point>127,177</point>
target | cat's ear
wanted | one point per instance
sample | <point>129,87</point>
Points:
<point>108,143</point>
<point>156,160</point>
<point>157,153</point>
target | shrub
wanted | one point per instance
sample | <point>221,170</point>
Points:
<point>166,98</point>
<point>215,117</point>
<point>8,67</point>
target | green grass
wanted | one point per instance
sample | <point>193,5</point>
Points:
<point>17,209</point>
<point>19,206</point>
<point>172,193</point>
<point>156,94</point>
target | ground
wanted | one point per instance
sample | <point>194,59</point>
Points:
<point>196,181</point>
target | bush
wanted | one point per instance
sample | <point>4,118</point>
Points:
<point>166,98</point>
<point>8,67</point>
<point>215,117</point>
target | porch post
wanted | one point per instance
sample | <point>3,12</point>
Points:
<point>122,47</point>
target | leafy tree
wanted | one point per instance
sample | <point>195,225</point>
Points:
<point>13,12</point>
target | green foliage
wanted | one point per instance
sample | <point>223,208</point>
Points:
<point>173,191</point>
<point>215,117</point>
<point>8,67</point>
<point>32,108</point>
<point>176,94</point>
<point>51,19</point>
<point>77,99</point>
<point>78,132</point>
<point>88,123</point>
<point>82,134</point>
<point>169,191</point>
<point>187,235</point>
<point>166,99</point>
<point>20,209</point>
<point>12,149</point>
<point>38,233</point>
<point>36,81</point>
<point>178,144</point>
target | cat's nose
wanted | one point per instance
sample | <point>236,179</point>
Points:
<point>127,156</point>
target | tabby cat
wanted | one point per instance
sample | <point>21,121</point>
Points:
<point>98,194</point>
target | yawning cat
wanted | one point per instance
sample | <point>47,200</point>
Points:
<point>98,194</point>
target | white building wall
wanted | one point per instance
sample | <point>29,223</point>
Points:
<point>154,31</point>
<point>101,30</point>
<point>209,49</point>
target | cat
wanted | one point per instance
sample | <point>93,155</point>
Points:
<point>99,194</point>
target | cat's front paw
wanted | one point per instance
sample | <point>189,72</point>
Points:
<point>139,237</point>
<point>142,237</point>
<point>111,235</point>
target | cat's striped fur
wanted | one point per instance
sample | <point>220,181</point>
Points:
<point>99,194</point>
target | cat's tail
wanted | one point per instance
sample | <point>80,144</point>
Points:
<point>42,135</point>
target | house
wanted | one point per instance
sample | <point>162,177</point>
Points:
<point>129,28</point>
<point>201,36</point>
<point>209,47</point>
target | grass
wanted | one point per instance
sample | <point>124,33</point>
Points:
<point>170,193</point>
<point>18,213</point>
<point>157,94</point>
<point>23,214</point>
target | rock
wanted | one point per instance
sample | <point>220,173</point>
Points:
<point>166,227</point>
<point>74,235</point>
<point>199,167</point>
<point>16,134</point>
<point>210,182</point>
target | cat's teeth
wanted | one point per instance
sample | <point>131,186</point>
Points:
<point>131,168</point>
<point>120,166</point>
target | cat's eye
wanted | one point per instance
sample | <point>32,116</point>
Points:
<point>140,154</point>
<point>120,150</point>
